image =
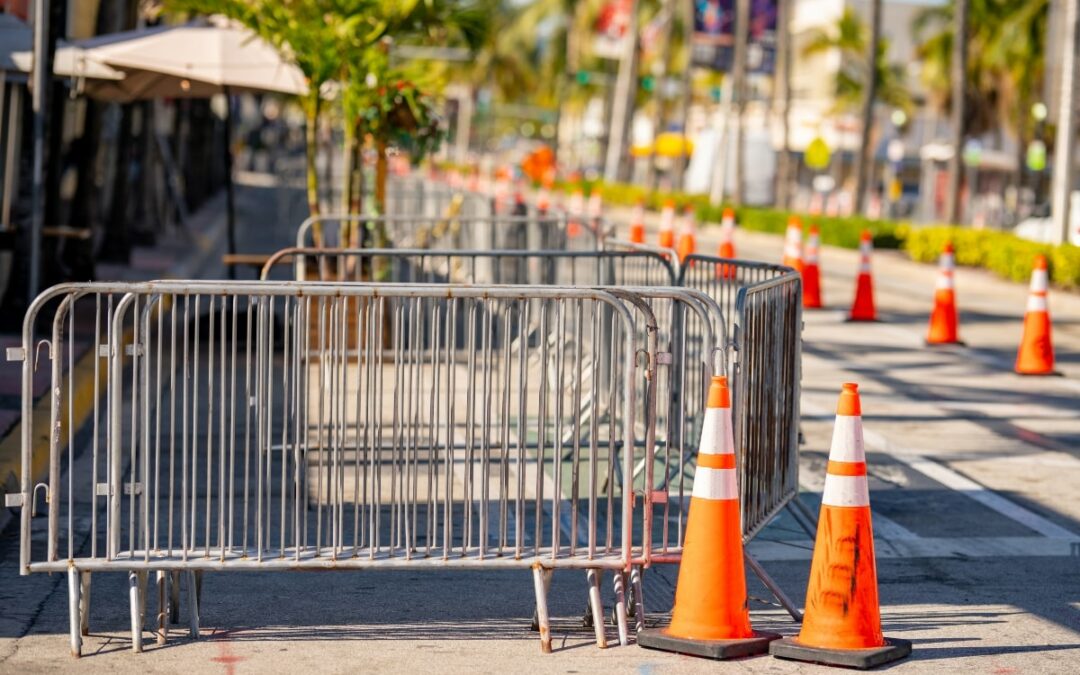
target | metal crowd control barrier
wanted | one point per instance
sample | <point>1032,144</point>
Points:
<point>764,300</point>
<point>268,425</point>
<point>765,303</point>
<point>761,305</point>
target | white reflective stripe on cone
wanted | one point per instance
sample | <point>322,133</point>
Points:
<point>1038,280</point>
<point>945,282</point>
<point>866,248</point>
<point>1036,303</point>
<point>847,440</point>
<point>842,491</point>
<point>714,429</point>
<point>947,262</point>
<point>716,484</point>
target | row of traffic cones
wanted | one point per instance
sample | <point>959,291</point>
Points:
<point>1036,353</point>
<point>842,621</point>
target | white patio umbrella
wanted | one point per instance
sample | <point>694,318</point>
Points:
<point>16,55</point>
<point>191,61</point>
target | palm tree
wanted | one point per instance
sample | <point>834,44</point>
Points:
<point>851,37</point>
<point>858,86</point>
<point>1003,65</point>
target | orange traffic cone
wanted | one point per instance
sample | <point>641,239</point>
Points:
<point>842,623</point>
<point>811,273</point>
<point>637,223</point>
<point>727,244</point>
<point>1036,354</point>
<point>667,225</point>
<point>943,323</point>
<point>793,244</point>
<point>711,617</point>
<point>687,238</point>
<point>862,309</point>
<point>575,211</point>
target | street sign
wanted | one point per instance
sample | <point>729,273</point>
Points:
<point>1036,156</point>
<point>972,152</point>
<point>817,155</point>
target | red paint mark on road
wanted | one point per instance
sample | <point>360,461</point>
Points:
<point>225,654</point>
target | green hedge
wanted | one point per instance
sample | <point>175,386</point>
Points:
<point>999,252</point>
<point>843,232</point>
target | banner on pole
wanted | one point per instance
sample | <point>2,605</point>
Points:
<point>714,35</point>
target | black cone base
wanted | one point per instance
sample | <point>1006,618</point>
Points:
<point>862,659</point>
<point>657,638</point>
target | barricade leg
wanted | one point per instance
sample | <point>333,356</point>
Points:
<point>639,599</point>
<point>163,606</point>
<point>773,587</point>
<point>193,605</point>
<point>174,597</point>
<point>535,625</point>
<point>74,611</point>
<point>620,607</point>
<point>541,583</point>
<point>84,602</point>
<point>596,605</point>
<point>135,591</point>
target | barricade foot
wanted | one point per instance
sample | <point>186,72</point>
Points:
<point>620,608</point>
<point>174,597</point>
<point>135,592</point>
<point>657,638</point>
<point>638,599</point>
<point>75,611</point>
<point>541,583</point>
<point>163,606</point>
<point>84,602</point>
<point>596,606</point>
<point>193,605</point>
<point>894,649</point>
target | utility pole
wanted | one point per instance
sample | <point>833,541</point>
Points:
<point>1064,162</point>
<point>623,103</point>
<point>862,173</point>
<point>783,39</point>
<point>742,35</point>
<point>687,95</point>
<point>42,71</point>
<point>959,107</point>
<point>660,75</point>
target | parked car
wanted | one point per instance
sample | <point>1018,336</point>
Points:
<point>1039,227</point>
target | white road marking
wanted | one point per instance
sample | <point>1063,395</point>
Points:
<point>919,461</point>
<point>930,547</point>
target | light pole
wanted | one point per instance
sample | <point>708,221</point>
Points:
<point>1061,186</point>
<point>1036,155</point>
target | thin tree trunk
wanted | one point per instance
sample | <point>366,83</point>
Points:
<point>959,109</point>
<point>783,167</point>
<point>742,28</point>
<point>311,135</point>
<point>658,102</point>
<point>865,162</point>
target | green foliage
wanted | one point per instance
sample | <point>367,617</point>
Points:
<point>852,38</point>
<point>999,252</point>
<point>843,232</point>
<point>1006,64</point>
